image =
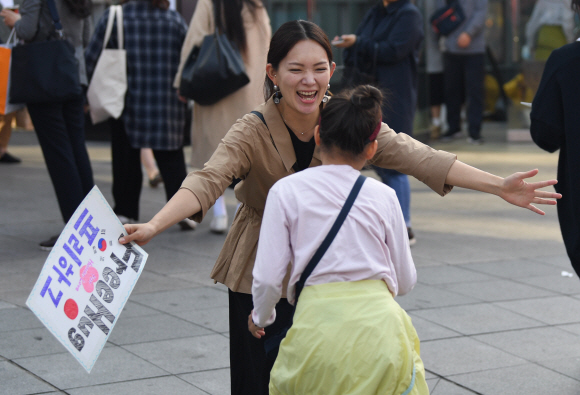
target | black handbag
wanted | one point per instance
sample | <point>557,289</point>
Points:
<point>213,71</point>
<point>448,18</point>
<point>45,71</point>
<point>272,344</point>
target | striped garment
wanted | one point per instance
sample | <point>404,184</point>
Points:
<point>153,115</point>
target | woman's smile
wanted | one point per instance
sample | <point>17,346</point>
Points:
<point>303,77</point>
<point>307,97</point>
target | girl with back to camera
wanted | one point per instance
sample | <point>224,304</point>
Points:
<point>349,336</point>
<point>261,152</point>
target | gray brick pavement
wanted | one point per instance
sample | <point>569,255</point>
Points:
<point>491,307</point>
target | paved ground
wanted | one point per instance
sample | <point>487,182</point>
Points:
<point>492,309</point>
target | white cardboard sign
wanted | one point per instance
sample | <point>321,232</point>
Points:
<point>87,279</point>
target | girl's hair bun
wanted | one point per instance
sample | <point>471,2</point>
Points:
<point>366,97</point>
<point>350,118</point>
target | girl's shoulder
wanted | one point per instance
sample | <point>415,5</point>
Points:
<point>378,188</point>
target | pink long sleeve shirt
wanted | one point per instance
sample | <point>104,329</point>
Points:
<point>372,244</point>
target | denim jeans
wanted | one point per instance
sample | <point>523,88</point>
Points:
<point>400,183</point>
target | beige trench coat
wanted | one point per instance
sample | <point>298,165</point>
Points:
<point>260,156</point>
<point>211,123</point>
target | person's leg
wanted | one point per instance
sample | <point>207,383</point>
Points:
<point>453,81</point>
<point>172,168</point>
<point>51,128</point>
<point>5,133</point>
<point>74,117</point>
<point>151,169</point>
<point>219,222</point>
<point>436,99</point>
<point>127,174</point>
<point>249,365</point>
<point>400,184</point>
<point>474,76</point>
<point>173,171</point>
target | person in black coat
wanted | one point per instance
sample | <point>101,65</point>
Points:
<point>386,44</point>
<point>555,124</point>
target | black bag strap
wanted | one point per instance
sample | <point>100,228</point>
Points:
<point>329,237</point>
<point>55,17</point>
<point>261,116</point>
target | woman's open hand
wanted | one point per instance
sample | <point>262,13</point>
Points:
<point>139,233</point>
<point>256,331</point>
<point>517,191</point>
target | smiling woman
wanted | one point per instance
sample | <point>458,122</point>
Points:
<point>275,141</point>
<point>299,79</point>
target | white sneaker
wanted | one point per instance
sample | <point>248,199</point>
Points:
<point>219,224</point>
<point>187,224</point>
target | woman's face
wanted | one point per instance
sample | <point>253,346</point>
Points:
<point>303,76</point>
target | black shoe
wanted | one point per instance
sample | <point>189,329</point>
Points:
<point>412,239</point>
<point>7,158</point>
<point>155,181</point>
<point>47,245</point>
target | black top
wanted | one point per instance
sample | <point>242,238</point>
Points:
<point>303,151</point>
<point>555,120</point>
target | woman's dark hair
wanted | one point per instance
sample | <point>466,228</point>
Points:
<point>576,6</point>
<point>285,38</point>
<point>79,8</point>
<point>231,22</point>
<point>350,118</point>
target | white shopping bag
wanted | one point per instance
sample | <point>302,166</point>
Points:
<point>106,94</point>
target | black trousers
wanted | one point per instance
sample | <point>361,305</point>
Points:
<point>60,128</point>
<point>128,176</point>
<point>464,76</point>
<point>249,366</point>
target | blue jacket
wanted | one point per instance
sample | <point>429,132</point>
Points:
<point>393,35</point>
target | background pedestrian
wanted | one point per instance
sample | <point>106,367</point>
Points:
<point>247,24</point>
<point>389,38</point>
<point>554,126</point>
<point>464,57</point>
<point>59,126</point>
<point>153,117</point>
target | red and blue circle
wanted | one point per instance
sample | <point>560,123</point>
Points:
<point>102,245</point>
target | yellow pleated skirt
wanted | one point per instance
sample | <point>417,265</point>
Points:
<point>349,338</point>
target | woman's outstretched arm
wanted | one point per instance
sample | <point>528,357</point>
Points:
<point>513,189</point>
<point>182,205</point>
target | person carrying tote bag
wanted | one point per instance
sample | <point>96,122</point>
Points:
<point>106,94</point>
<point>55,78</point>
<point>59,121</point>
<point>247,25</point>
<point>151,115</point>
